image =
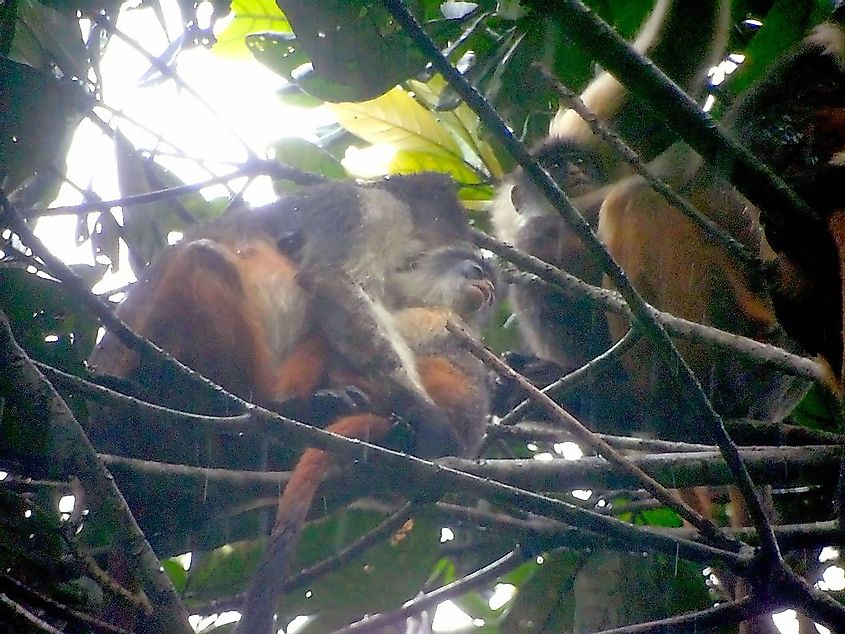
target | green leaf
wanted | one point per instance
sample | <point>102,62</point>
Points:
<point>308,157</point>
<point>277,51</point>
<point>462,121</point>
<point>544,601</point>
<point>817,410</point>
<point>615,589</point>
<point>380,579</point>
<point>45,36</point>
<point>783,25</point>
<point>249,16</point>
<point>410,162</point>
<point>177,573</point>
<point>354,44</point>
<point>38,118</point>
<point>396,119</point>
<point>52,325</point>
<point>660,517</point>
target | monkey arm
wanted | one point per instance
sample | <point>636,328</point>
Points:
<point>364,334</point>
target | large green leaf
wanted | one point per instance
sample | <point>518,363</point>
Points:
<point>39,115</point>
<point>356,44</point>
<point>52,325</point>
<point>380,579</point>
<point>47,36</point>
<point>544,601</point>
<point>783,25</point>
<point>396,119</point>
<point>412,162</point>
<point>249,16</point>
<point>308,157</point>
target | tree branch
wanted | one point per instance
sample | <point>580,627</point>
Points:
<point>72,455</point>
<point>429,600</point>
<point>620,462</point>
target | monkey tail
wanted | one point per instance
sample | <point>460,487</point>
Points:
<point>268,579</point>
<point>605,94</point>
<point>704,27</point>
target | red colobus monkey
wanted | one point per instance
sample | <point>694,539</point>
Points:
<point>673,264</point>
<point>241,299</point>
<point>265,303</point>
<point>436,287</point>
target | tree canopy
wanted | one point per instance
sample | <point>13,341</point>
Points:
<point>572,545</point>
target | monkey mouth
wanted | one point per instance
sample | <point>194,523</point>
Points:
<point>481,293</point>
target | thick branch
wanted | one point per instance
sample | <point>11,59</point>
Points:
<point>775,466</point>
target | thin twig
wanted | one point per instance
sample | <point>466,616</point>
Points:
<point>65,610</point>
<point>238,425</point>
<point>203,474</point>
<point>722,614</point>
<point>108,583</point>
<point>28,616</point>
<point>251,168</point>
<point>543,274</point>
<point>575,378</point>
<point>385,528</point>
<point>104,21</point>
<point>545,433</point>
<point>469,582</point>
<point>565,419</point>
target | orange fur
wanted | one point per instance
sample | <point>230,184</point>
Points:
<point>302,370</point>
<point>312,467</point>
<point>450,388</point>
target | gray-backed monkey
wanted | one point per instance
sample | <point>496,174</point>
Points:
<point>673,264</point>
<point>439,285</point>
<point>794,120</point>
<point>239,299</point>
<point>264,302</point>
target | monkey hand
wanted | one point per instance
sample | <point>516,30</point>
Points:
<point>434,435</point>
<point>506,393</point>
<point>324,405</point>
<point>339,401</point>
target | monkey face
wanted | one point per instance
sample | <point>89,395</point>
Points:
<point>456,277</point>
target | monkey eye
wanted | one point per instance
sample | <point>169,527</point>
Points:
<point>290,242</point>
<point>472,270</point>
